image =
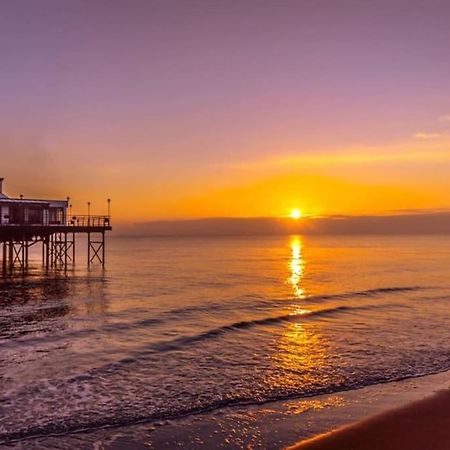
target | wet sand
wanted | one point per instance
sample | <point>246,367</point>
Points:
<point>422,425</point>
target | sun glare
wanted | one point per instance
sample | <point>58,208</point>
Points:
<point>296,213</point>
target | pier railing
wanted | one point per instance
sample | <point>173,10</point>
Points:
<point>73,221</point>
<point>89,221</point>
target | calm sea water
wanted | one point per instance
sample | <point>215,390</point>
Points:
<point>178,326</point>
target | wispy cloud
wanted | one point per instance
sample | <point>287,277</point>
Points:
<point>422,135</point>
<point>445,118</point>
<point>360,158</point>
<point>430,155</point>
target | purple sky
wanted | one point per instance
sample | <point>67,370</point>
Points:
<point>186,107</point>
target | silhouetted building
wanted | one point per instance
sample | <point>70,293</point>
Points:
<point>24,211</point>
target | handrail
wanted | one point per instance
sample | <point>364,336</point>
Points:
<point>89,221</point>
<point>73,221</point>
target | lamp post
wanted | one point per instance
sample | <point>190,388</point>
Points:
<point>89,213</point>
<point>109,208</point>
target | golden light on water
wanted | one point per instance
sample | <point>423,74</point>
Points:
<point>296,267</point>
<point>300,353</point>
<point>300,407</point>
<point>299,356</point>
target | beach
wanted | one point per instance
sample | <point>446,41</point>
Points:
<point>272,425</point>
<point>424,424</point>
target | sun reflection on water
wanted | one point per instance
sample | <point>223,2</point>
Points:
<point>299,359</point>
<point>300,352</point>
<point>296,267</point>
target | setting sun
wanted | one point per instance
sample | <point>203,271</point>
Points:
<point>296,213</point>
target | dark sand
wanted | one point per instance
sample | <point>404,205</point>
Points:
<point>422,425</point>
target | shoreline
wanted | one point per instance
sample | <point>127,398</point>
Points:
<point>272,426</point>
<point>418,425</point>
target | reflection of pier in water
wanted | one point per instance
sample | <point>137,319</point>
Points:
<point>48,299</point>
<point>26,302</point>
<point>45,320</point>
<point>25,223</point>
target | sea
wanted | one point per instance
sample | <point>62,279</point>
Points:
<point>177,333</point>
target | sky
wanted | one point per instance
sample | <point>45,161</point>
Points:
<point>190,109</point>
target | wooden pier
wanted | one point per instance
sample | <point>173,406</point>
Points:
<point>25,223</point>
<point>58,242</point>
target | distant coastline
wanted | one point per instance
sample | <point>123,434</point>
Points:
<point>411,223</point>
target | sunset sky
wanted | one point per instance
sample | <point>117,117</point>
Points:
<point>184,109</point>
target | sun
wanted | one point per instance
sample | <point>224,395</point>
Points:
<point>296,213</point>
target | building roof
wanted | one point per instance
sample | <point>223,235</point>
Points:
<point>31,201</point>
<point>24,201</point>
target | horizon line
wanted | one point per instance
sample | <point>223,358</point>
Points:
<point>399,213</point>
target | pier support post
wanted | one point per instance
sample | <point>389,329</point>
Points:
<point>11,254</point>
<point>47,251</point>
<point>96,249</point>
<point>65,251</point>
<point>27,247</point>
<point>73,248</point>
<point>4,259</point>
<point>103,248</point>
<point>89,249</point>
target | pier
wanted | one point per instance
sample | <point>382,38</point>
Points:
<point>25,223</point>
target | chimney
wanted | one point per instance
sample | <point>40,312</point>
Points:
<point>1,185</point>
